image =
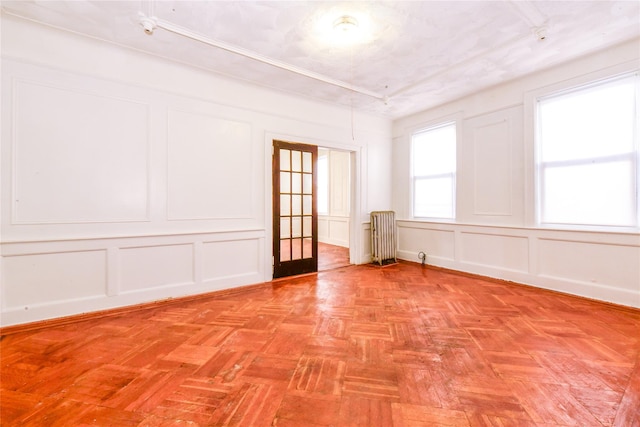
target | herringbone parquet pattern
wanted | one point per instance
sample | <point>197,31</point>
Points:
<point>359,346</point>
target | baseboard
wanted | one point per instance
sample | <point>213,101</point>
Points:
<point>58,321</point>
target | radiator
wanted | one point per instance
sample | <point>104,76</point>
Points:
<point>383,237</point>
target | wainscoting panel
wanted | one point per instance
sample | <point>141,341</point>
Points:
<point>155,266</point>
<point>48,278</point>
<point>227,260</point>
<point>436,244</point>
<point>590,263</point>
<point>504,252</point>
<point>333,230</point>
<point>598,265</point>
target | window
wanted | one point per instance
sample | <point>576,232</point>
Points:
<point>587,155</point>
<point>434,171</point>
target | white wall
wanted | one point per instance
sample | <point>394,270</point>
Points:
<point>333,227</point>
<point>128,178</point>
<point>495,233</point>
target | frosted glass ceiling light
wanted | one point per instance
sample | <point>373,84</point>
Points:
<point>346,31</point>
<point>339,27</point>
<point>345,24</point>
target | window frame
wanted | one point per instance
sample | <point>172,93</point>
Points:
<point>536,185</point>
<point>444,122</point>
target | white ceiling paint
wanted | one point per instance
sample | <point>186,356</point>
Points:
<point>420,53</point>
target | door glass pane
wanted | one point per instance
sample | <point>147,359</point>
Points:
<point>307,185</point>
<point>307,210</point>
<point>296,249</point>
<point>285,227</point>
<point>306,226</point>
<point>285,205</point>
<point>296,183</point>
<point>307,165</point>
<point>285,160</point>
<point>307,248</point>
<point>296,205</point>
<point>285,182</point>
<point>296,161</point>
<point>285,250</point>
<point>296,226</point>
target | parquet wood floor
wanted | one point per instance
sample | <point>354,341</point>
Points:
<point>332,256</point>
<point>358,346</point>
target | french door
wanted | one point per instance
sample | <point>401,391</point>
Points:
<point>295,217</point>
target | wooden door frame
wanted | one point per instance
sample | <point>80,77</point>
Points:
<point>357,223</point>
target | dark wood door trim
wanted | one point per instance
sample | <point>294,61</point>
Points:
<point>295,250</point>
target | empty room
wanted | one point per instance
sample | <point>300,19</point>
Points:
<point>320,213</point>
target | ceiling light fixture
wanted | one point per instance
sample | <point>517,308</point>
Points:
<point>345,24</point>
<point>346,31</point>
<point>540,33</point>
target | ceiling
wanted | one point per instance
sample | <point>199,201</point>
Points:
<point>411,55</point>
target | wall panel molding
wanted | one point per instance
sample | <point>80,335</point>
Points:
<point>599,265</point>
<point>492,166</point>
<point>434,242</point>
<point>509,253</point>
<point>204,152</point>
<point>491,172</point>
<point>78,156</point>
<point>35,280</point>
<point>155,266</point>
<point>334,230</point>
<point>85,187</point>
<point>97,274</point>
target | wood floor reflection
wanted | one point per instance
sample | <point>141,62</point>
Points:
<point>358,346</point>
<point>332,256</point>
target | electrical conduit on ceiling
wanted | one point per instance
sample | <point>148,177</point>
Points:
<point>149,24</point>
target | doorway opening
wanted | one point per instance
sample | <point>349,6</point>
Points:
<point>334,208</point>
